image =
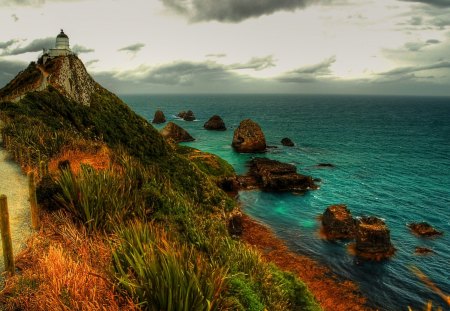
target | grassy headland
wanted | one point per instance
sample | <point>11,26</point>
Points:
<point>143,226</point>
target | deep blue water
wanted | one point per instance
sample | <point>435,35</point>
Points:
<point>392,160</point>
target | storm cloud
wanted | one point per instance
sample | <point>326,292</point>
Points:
<point>81,49</point>
<point>308,74</point>
<point>7,44</point>
<point>34,46</point>
<point>437,3</point>
<point>256,63</point>
<point>133,48</point>
<point>415,69</point>
<point>232,11</point>
<point>9,69</point>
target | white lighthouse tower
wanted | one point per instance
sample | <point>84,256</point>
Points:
<point>62,47</point>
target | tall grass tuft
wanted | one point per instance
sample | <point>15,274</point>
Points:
<point>165,275</point>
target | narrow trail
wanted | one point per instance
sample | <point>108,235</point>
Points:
<point>13,183</point>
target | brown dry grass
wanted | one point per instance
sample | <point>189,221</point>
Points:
<point>63,268</point>
<point>99,157</point>
<point>332,294</point>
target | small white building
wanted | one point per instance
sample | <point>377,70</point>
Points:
<point>62,47</point>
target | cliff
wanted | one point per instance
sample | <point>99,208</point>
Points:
<point>67,74</point>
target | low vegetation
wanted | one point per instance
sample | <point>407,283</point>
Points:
<point>146,232</point>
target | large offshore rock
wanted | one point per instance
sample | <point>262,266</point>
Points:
<point>176,133</point>
<point>272,175</point>
<point>159,117</point>
<point>338,223</point>
<point>249,138</point>
<point>287,142</point>
<point>373,239</point>
<point>215,123</point>
<point>424,229</point>
<point>186,115</point>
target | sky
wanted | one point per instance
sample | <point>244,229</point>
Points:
<point>383,47</point>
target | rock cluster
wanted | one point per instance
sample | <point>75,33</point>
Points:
<point>373,238</point>
<point>249,138</point>
<point>186,115</point>
<point>272,175</point>
<point>424,229</point>
<point>176,133</point>
<point>287,142</point>
<point>159,117</point>
<point>215,123</point>
<point>338,223</point>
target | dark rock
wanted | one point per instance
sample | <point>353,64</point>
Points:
<point>338,223</point>
<point>229,184</point>
<point>64,165</point>
<point>325,165</point>
<point>287,142</point>
<point>235,225</point>
<point>373,239</point>
<point>271,175</point>
<point>423,250</point>
<point>159,117</point>
<point>215,123</point>
<point>187,115</point>
<point>176,133</point>
<point>424,229</point>
<point>249,138</point>
<point>46,190</point>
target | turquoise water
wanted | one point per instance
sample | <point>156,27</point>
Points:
<point>392,160</point>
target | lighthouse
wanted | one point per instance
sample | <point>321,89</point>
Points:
<point>62,48</point>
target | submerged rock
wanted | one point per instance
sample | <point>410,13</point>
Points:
<point>338,223</point>
<point>423,250</point>
<point>176,133</point>
<point>373,239</point>
<point>215,123</point>
<point>424,229</point>
<point>186,115</point>
<point>325,165</point>
<point>272,175</point>
<point>249,138</point>
<point>159,117</point>
<point>287,142</point>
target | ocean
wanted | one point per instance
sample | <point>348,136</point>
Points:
<point>391,158</point>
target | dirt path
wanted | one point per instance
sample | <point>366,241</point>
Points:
<point>13,183</point>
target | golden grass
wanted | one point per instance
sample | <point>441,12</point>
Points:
<point>63,269</point>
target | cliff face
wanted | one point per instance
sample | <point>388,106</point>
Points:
<point>65,73</point>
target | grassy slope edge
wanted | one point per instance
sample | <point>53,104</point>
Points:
<point>152,224</point>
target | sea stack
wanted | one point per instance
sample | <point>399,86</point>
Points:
<point>338,223</point>
<point>215,123</point>
<point>159,117</point>
<point>373,239</point>
<point>287,142</point>
<point>249,138</point>
<point>176,133</point>
<point>424,229</point>
<point>186,115</point>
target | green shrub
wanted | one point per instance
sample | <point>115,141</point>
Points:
<point>165,275</point>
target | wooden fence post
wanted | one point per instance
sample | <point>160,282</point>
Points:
<point>6,235</point>
<point>33,201</point>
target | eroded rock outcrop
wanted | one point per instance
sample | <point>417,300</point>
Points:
<point>159,117</point>
<point>186,115</point>
<point>424,229</point>
<point>272,175</point>
<point>373,239</point>
<point>287,142</point>
<point>338,223</point>
<point>235,225</point>
<point>215,123</point>
<point>249,138</point>
<point>176,133</point>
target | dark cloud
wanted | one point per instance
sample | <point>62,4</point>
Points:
<point>417,46</point>
<point>308,73</point>
<point>437,3</point>
<point>133,48</point>
<point>232,11</point>
<point>34,46</point>
<point>415,69</point>
<point>9,69</point>
<point>432,41</point>
<point>15,17</point>
<point>7,44</point>
<point>256,63</point>
<point>416,21</point>
<point>81,49</point>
